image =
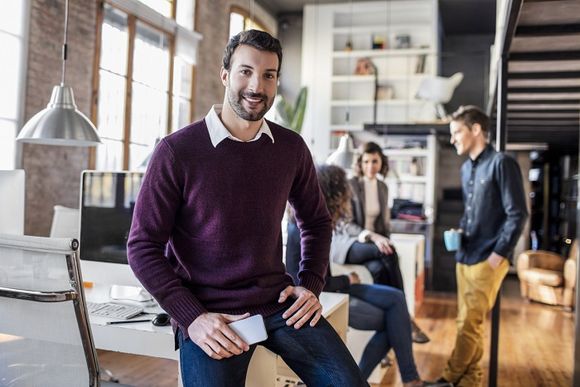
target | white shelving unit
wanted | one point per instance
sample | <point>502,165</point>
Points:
<point>416,183</point>
<point>337,36</point>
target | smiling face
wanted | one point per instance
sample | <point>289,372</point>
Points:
<point>371,164</point>
<point>251,83</point>
<point>463,138</point>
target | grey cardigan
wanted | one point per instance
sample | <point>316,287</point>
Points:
<point>343,236</point>
<point>382,223</point>
<point>346,234</point>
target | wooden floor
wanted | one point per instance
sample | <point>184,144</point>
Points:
<point>536,346</point>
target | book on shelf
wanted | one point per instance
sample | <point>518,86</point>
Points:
<point>420,67</point>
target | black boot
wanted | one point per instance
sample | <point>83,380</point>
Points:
<point>418,335</point>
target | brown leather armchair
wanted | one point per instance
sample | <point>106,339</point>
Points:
<point>548,277</point>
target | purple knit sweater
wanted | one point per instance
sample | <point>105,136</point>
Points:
<point>206,232</point>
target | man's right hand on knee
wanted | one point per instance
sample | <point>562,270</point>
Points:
<point>210,332</point>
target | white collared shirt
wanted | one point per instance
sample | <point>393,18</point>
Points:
<point>218,132</point>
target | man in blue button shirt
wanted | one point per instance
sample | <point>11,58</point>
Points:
<point>494,215</point>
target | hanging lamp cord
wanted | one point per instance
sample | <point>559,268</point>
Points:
<point>64,44</point>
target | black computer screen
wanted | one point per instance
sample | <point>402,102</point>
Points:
<point>107,203</point>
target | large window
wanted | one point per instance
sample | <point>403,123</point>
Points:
<point>12,22</point>
<point>144,87</point>
<point>242,20</point>
<point>160,6</point>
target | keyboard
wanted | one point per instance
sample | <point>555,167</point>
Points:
<point>114,310</point>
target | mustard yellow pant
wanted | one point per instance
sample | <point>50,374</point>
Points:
<point>477,288</point>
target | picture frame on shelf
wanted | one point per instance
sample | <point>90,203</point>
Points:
<point>402,41</point>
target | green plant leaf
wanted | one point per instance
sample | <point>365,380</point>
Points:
<point>298,114</point>
<point>282,108</point>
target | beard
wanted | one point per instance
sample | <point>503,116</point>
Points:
<point>236,102</point>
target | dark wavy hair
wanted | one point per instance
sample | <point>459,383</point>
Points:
<point>336,191</point>
<point>260,40</point>
<point>371,147</point>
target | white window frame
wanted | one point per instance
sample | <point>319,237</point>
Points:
<point>21,93</point>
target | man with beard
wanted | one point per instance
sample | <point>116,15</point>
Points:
<point>206,237</point>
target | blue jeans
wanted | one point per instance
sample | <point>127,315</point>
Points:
<point>383,309</point>
<point>384,268</point>
<point>316,354</point>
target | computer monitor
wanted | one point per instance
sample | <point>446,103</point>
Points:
<point>12,196</point>
<point>107,203</point>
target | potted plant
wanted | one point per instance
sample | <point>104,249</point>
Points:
<point>289,115</point>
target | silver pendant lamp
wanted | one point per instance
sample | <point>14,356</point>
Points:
<point>61,123</point>
<point>344,155</point>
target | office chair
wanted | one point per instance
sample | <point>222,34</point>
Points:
<point>65,222</point>
<point>45,335</point>
<point>12,194</point>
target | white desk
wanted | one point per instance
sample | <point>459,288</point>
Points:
<point>149,340</point>
<point>135,338</point>
<point>411,251</point>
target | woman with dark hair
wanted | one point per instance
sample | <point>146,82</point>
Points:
<point>371,307</point>
<point>370,222</point>
<point>365,239</point>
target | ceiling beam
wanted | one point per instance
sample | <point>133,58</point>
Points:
<point>543,115</point>
<point>543,133</point>
<point>529,116</point>
<point>520,90</point>
<point>542,108</point>
<point>535,122</point>
<point>541,136</point>
<point>513,10</point>
<point>546,131</point>
<point>540,117</point>
<point>571,102</point>
<point>554,143</point>
<point>566,137</point>
<point>533,137</point>
<point>543,55</point>
<point>540,111</point>
<point>548,30</point>
<point>545,75</point>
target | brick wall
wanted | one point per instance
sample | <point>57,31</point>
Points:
<point>213,24</point>
<point>53,172</point>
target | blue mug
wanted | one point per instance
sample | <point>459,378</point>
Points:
<point>452,239</point>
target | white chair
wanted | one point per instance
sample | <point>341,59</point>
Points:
<point>438,90</point>
<point>45,336</point>
<point>65,222</point>
<point>12,195</point>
